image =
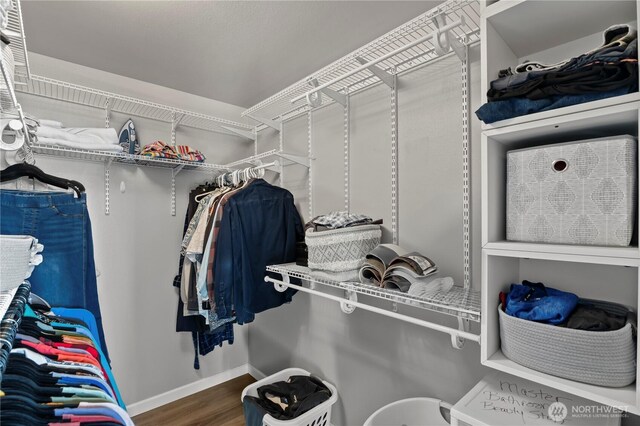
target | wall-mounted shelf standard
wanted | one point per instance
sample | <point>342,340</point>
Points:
<point>82,95</point>
<point>464,304</point>
<point>108,158</point>
<point>446,27</point>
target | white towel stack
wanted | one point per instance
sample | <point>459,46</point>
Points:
<point>96,139</point>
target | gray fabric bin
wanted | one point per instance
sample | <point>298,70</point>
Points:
<point>581,192</point>
<point>604,358</point>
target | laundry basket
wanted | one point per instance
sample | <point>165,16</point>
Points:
<point>317,416</point>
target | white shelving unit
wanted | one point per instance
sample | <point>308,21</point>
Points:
<point>351,73</point>
<point>462,303</point>
<point>512,31</point>
<point>107,101</point>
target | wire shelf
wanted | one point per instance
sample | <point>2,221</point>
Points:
<point>18,45</point>
<point>280,106</point>
<point>120,157</point>
<point>82,95</point>
<point>284,158</point>
<point>459,302</point>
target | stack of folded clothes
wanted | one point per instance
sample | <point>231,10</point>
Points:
<point>608,71</point>
<point>159,149</point>
<point>96,139</point>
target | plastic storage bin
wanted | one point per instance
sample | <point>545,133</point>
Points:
<point>411,412</point>
<point>581,192</point>
<point>604,358</point>
<point>317,416</point>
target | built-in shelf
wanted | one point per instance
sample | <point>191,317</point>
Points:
<point>124,158</point>
<point>624,397</point>
<point>344,71</point>
<point>95,98</point>
<point>551,251</point>
<point>459,302</point>
<point>283,158</point>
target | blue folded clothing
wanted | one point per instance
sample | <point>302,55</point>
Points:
<point>535,302</point>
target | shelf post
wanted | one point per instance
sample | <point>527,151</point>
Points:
<point>107,172</point>
<point>107,113</point>
<point>466,172</point>
<point>174,173</point>
<point>347,165</point>
<point>394,159</point>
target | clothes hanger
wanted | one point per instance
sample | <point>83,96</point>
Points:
<point>28,170</point>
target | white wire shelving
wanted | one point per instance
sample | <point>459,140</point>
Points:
<point>125,158</point>
<point>462,303</point>
<point>18,45</point>
<point>283,158</point>
<point>411,45</point>
<point>82,95</point>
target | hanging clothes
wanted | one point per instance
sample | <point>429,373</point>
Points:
<point>231,233</point>
<point>60,221</point>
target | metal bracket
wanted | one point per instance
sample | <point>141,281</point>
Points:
<point>267,122</point>
<point>244,133</point>
<point>340,98</point>
<point>383,75</point>
<point>174,173</point>
<point>174,125</point>
<point>456,341</point>
<point>314,99</point>
<point>394,306</point>
<point>444,41</point>
<point>107,113</point>
<point>298,159</point>
<point>394,161</point>
<point>347,307</point>
<point>280,288</point>
<point>107,172</point>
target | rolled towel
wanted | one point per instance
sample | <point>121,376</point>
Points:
<point>427,289</point>
<point>51,123</point>
<point>108,135</point>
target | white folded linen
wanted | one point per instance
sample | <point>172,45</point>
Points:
<point>51,123</point>
<point>97,136</point>
<point>80,145</point>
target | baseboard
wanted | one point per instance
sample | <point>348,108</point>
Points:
<point>255,373</point>
<point>189,389</point>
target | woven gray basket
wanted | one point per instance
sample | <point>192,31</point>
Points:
<point>343,249</point>
<point>604,358</point>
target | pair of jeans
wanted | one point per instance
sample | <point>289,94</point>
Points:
<point>60,221</point>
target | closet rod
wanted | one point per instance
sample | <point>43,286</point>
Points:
<point>363,67</point>
<point>433,326</point>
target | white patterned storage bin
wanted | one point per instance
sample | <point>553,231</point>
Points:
<point>343,249</point>
<point>580,192</point>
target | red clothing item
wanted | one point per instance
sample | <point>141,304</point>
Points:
<point>93,351</point>
<point>86,419</point>
<point>61,355</point>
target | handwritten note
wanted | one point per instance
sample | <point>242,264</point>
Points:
<point>518,400</point>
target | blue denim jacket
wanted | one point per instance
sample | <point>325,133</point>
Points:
<point>260,226</point>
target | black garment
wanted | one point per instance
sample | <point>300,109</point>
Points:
<point>589,317</point>
<point>594,78</point>
<point>296,396</point>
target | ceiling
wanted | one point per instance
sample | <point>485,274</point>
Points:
<point>238,52</point>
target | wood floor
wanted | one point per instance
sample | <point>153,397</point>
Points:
<point>217,406</point>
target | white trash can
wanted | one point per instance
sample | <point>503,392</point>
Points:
<point>411,412</point>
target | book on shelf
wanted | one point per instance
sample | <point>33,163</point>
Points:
<point>392,267</point>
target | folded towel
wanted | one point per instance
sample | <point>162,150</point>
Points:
<point>96,136</point>
<point>80,145</point>
<point>51,123</point>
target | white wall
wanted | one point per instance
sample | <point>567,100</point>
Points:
<point>137,245</point>
<point>374,360</point>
